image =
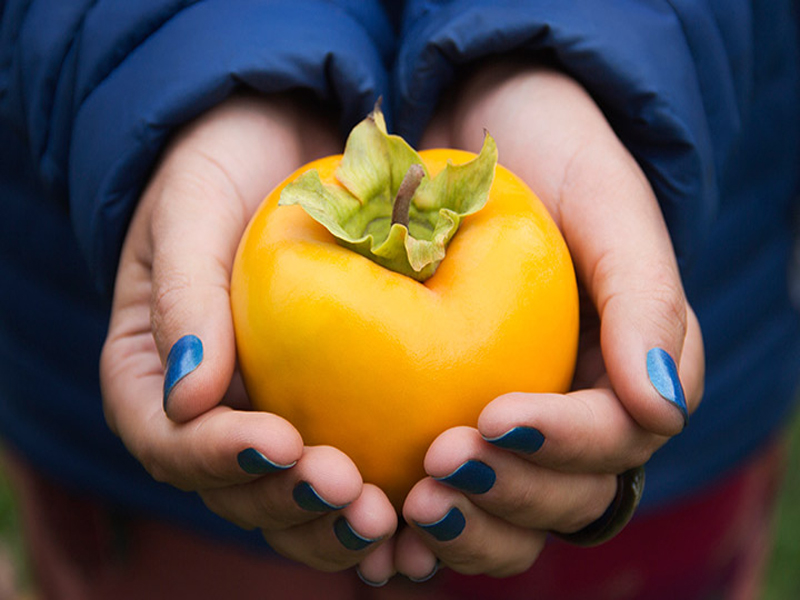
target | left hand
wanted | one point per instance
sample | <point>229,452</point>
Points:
<point>551,133</point>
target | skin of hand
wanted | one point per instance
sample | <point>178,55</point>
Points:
<point>171,322</point>
<point>553,462</point>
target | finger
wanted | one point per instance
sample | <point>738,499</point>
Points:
<point>624,257</point>
<point>610,219</point>
<point>464,537</point>
<point>196,225</point>
<point>218,449</point>
<point>377,567</point>
<point>413,558</point>
<point>515,490</point>
<point>583,431</point>
<point>628,267</point>
<point>323,481</point>
<point>625,260</point>
<point>210,183</point>
<point>339,540</point>
<point>190,314</point>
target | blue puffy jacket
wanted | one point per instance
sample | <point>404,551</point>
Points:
<point>705,94</point>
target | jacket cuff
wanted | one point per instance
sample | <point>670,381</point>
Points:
<point>649,73</point>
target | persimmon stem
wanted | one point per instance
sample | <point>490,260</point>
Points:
<point>402,202</point>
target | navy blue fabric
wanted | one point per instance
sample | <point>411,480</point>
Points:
<point>89,93</point>
<point>704,93</point>
<point>99,85</point>
<point>642,64</point>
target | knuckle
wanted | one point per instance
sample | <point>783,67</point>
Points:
<point>640,454</point>
<point>157,463</point>
<point>215,502</point>
<point>656,286</point>
<point>268,507</point>
<point>167,299</point>
<point>204,434</point>
<point>498,559</point>
<point>153,464</point>
<point>524,506</point>
<point>670,312</point>
<point>472,562</point>
<point>590,514</point>
<point>268,516</point>
<point>635,454</point>
<point>596,505</point>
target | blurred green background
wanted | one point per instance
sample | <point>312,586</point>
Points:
<point>783,575</point>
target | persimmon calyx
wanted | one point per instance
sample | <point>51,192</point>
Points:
<point>360,210</point>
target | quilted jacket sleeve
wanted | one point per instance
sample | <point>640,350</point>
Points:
<point>96,86</point>
<point>673,77</point>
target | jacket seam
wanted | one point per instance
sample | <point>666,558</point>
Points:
<point>42,152</point>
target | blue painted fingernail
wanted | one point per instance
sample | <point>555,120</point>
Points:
<point>519,439</point>
<point>307,498</point>
<point>184,357</point>
<point>429,576</point>
<point>253,462</point>
<point>473,477</point>
<point>348,536</point>
<point>370,583</point>
<point>663,373</point>
<point>448,527</point>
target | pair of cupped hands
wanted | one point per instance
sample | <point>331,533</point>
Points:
<point>173,281</point>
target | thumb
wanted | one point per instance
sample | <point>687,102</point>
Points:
<point>555,137</point>
<point>209,184</point>
<point>194,238</point>
<point>650,339</point>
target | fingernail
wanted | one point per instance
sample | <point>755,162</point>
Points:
<point>375,584</point>
<point>307,498</point>
<point>348,536</point>
<point>473,477</point>
<point>183,358</point>
<point>448,527</point>
<point>429,576</point>
<point>253,462</point>
<point>663,374</point>
<point>519,439</point>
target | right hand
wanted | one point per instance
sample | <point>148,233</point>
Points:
<point>172,293</point>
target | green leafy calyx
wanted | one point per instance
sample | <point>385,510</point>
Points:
<point>387,207</point>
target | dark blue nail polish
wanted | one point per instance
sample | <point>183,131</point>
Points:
<point>253,462</point>
<point>448,527</point>
<point>348,536</point>
<point>184,357</point>
<point>308,499</point>
<point>519,439</point>
<point>473,477</point>
<point>375,584</point>
<point>663,373</point>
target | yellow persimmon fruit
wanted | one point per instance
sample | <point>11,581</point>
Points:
<point>356,327</point>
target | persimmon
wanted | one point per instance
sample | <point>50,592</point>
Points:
<point>383,296</point>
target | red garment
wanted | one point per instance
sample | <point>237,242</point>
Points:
<point>712,545</point>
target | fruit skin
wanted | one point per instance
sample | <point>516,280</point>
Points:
<point>378,365</point>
